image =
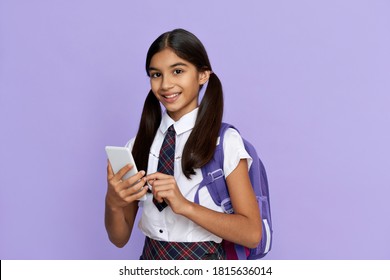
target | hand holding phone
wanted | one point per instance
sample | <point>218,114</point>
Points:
<point>119,157</point>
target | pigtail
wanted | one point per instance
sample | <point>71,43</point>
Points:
<point>201,144</point>
<point>149,123</point>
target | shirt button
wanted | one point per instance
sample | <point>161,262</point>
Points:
<point>161,231</point>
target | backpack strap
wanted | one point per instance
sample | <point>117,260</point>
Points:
<point>214,176</point>
<point>214,180</point>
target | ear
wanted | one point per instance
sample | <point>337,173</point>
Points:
<point>204,77</point>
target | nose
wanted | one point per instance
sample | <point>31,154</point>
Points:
<point>166,83</point>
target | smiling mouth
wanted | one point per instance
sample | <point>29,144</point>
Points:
<point>171,96</point>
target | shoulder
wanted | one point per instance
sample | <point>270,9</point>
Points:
<point>232,140</point>
<point>130,144</point>
<point>234,150</point>
<point>231,136</point>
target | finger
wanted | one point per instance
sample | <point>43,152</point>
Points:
<point>159,191</point>
<point>123,171</point>
<point>158,176</point>
<point>110,172</point>
<point>133,179</point>
<point>163,195</point>
<point>134,188</point>
<point>170,181</point>
<point>137,195</point>
<point>149,183</point>
<point>162,185</point>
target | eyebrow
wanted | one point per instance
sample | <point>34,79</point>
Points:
<point>172,66</point>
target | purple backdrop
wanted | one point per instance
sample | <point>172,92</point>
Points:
<point>307,81</point>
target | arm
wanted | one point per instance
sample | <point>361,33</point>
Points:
<point>121,204</point>
<point>232,227</point>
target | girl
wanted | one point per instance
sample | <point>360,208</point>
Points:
<point>176,227</point>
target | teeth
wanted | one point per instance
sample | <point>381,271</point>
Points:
<point>171,96</point>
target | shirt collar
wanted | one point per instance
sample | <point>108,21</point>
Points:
<point>185,123</point>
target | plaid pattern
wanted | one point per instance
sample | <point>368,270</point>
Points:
<point>167,153</point>
<point>162,250</point>
<point>166,159</point>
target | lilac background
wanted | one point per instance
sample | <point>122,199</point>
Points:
<point>307,81</point>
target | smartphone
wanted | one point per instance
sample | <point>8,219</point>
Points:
<point>119,157</point>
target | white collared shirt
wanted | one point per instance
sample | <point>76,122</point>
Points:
<point>166,225</point>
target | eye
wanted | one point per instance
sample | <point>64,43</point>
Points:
<point>177,71</point>
<point>155,75</point>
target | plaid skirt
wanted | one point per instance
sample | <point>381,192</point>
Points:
<point>162,250</point>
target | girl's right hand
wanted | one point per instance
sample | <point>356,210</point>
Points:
<point>121,193</point>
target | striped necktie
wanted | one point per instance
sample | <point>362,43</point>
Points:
<point>166,159</point>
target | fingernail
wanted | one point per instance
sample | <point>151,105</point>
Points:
<point>142,172</point>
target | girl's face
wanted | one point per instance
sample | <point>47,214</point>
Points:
<point>175,82</point>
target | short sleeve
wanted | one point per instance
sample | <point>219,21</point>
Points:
<point>130,144</point>
<point>234,151</point>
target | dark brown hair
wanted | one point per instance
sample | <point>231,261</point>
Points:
<point>201,143</point>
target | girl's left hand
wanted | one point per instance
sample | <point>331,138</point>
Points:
<point>164,187</point>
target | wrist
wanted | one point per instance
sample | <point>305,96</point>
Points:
<point>187,209</point>
<point>112,207</point>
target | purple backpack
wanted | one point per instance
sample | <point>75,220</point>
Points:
<point>214,180</point>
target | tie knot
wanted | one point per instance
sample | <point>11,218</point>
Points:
<point>171,129</point>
